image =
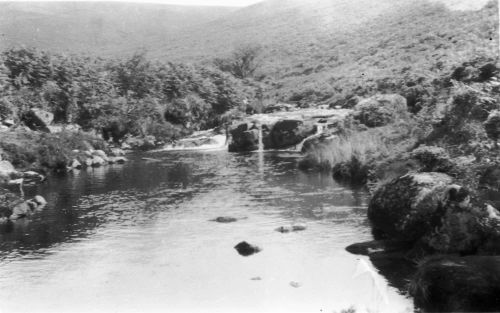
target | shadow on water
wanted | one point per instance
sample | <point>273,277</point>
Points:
<point>81,201</point>
<point>161,207</point>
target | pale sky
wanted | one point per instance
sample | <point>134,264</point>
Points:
<point>237,3</point>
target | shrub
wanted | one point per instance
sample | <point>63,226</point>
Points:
<point>380,110</point>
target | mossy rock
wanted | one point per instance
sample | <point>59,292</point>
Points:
<point>410,206</point>
<point>457,284</point>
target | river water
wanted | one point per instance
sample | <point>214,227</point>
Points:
<point>138,238</point>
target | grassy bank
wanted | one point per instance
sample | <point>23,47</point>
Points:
<point>42,152</point>
<point>456,134</point>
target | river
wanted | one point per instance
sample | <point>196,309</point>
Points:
<point>138,238</point>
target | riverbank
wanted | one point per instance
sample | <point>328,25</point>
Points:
<point>434,185</point>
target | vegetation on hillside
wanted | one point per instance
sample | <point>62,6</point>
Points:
<point>118,97</point>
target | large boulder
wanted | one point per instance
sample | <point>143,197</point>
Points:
<point>287,133</point>
<point>244,137</point>
<point>457,284</point>
<point>381,109</point>
<point>410,206</point>
<point>38,119</point>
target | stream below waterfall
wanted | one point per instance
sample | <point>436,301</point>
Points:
<point>138,237</point>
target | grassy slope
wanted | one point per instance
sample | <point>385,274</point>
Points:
<point>321,50</point>
<point>421,43</point>
<point>104,28</point>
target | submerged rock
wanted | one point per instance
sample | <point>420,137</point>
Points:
<point>246,249</point>
<point>378,246</point>
<point>295,284</point>
<point>410,206</point>
<point>291,228</point>
<point>458,284</point>
<point>224,219</point>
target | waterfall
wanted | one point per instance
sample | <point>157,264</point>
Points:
<point>320,128</point>
<point>261,145</point>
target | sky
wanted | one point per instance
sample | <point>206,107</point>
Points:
<point>237,3</point>
<point>453,4</point>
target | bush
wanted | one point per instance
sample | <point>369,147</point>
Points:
<point>380,110</point>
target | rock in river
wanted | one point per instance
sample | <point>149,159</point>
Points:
<point>224,219</point>
<point>246,249</point>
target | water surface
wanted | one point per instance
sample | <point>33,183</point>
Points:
<point>138,238</point>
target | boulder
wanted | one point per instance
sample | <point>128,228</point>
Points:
<point>287,133</point>
<point>38,119</point>
<point>40,201</point>
<point>457,284</point>
<point>8,122</point>
<point>432,159</point>
<point>408,207</point>
<point>117,152</point>
<point>381,109</point>
<point>141,143</point>
<point>492,125</point>
<point>117,160</point>
<point>75,164</point>
<point>28,207</point>
<point>8,200</point>
<point>100,154</point>
<point>246,249</point>
<point>278,107</point>
<point>98,161</point>
<point>244,137</point>
<point>6,168</point>
<point>55,129</point>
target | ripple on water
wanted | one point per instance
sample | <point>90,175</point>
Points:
<point>139,238</point>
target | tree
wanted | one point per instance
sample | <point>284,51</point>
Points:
<point>242,63</point>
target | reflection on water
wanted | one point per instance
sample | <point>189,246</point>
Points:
<point>137,238</point>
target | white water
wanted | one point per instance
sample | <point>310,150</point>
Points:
<point>320,128</point>
<point>261,145</point>
<point>216,142</point>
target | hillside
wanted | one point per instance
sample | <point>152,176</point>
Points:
<point>324,51</point>
<point>104,28</point>
<point>411,45</point>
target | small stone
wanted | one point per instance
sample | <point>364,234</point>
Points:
<point>246,249</point>
<point>295,284</point>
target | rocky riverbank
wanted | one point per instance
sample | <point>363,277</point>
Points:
<point>434,185</point>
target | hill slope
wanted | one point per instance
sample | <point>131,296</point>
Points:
<point>97,28</point>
